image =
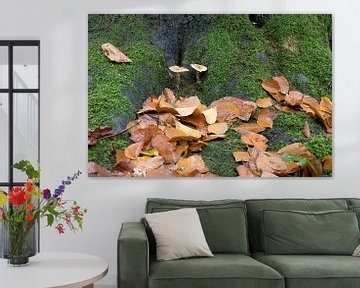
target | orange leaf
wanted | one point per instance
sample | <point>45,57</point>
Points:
<point>208,138</point>
<point>268,174</point>
<point>191,165</point>
<point>266,117</point>
<point>283,84</point>
<point>187,130</point>
<point>150,105</point>
<point>161,171</point>
<point>146,163</point>
<point>174,134</point>
<point>294,98</point>
<point>210,115</point>
<point>273,87</point>
<point>244,171</point>
<point>218,128</point>
<point>241,156</point>
<point>264,102</point>
<point>196,119</point>
<point>271,162</point>
<point>185,111</point>
<point>326,105</point>
<point>114,54</point>
<point>133,151</point>
<point>192,101</point>
<point>253,139</point>
<point>97,170</point>
<point>231,108</point>
<point>169,96</point>
<point>166,149</point>
<point>249,127</point>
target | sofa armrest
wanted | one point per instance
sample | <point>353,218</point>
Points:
<point>133,256</point>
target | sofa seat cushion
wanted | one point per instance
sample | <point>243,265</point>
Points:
<point>313,271</point>
<point>222,270</point>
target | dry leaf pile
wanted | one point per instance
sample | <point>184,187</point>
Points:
<point>169,135</point>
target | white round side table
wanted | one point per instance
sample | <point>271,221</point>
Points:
<point>50,270</point>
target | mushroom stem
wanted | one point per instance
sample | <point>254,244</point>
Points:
<point>177,79</point>
<point>198,81</point>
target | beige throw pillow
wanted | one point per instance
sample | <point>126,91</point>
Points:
<point>178,234</point>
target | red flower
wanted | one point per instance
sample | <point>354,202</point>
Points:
<point>60,228</point>
<point>29,217</point>
<point>27,196</point>
<point>29,206</point>
<point>17,196</point>
<point>29,186</point>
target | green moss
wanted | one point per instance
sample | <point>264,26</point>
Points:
<point>302,53</point>
<point>288,128</point>
<point>235,53</point>
<point>320,146</point>
<point>218,154</point>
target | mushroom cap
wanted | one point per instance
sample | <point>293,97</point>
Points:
<point>178,69</point>
<point>199,67</point>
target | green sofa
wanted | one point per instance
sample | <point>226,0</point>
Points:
<point>235,234</point>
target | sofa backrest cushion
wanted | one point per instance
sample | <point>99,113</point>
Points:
<point>255,206</point>
<point>298,232</point>
<point>223,221</point>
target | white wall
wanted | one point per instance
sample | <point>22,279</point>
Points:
<point>62,28</point>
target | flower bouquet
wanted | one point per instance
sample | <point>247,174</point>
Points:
<point>21,208</point>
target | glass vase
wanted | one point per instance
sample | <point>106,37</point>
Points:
<point>18,242</point>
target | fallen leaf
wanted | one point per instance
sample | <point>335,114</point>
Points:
<point>146,163</point>
<point>264,102</point>
<point>165,106</point>
<point>208,138</point>
<point>249,127</point>
<point>96,170</point>
<point>166,149</point>
<point>98,133</point>
<point>192,101</point>
<point>169,96</point>
<point>326,105</point>
<point>133,151</point>
<point>266,117</point>
<point>244,171</point>
<point>161,171</point>
<point>197,146</point>
<point>241,156</point>
<point>306,130</point>
<point>191,165</point>
<point>271,162</point>
<point>294,98</point>
<point>253,139</point>
<point>185,111</point>
<point>268,174</point>
<point>327,166</point>
<point>218,128</point>
<point>150,152</point>
<point>285,108</point>
<point>283,84</point>
<point>114,54</point>
<point>196,119</point>
<point>231,108</point>
<point>120,155</point>
<point>210,115</point>
<point>187,130</point>
<point>174,134</point>
<point>150,105</point>
<point>273,87</point>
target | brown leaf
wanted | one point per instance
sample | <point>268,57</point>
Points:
<point>208,138</point>
<point>166,149</point>
<point>161,171</point>
<point>326,105</point>
<point>241,156</point>
<point>313,168</point>
<point>185,111</point>
<point>146,163</point>
<point>271,162</point>
<point>187,130</point>
<point>218,128</point>
<point>96,170</point>
<point>210,115</point>
<point>196,119</point>
<point>97,134</point>
<point>285,108</point>
<point>133,151</point>
<point>283,84</point>
<point>268,174</point>
<point>169,96</point>
<point>174,134</point>
<point>306,130</point>
<point>114,54</point>
<point>249,127</point>
<point>197,146</point>
<point>191,165</point>
<point>244,171</point>
<point>253,139</point>
<point>266,117</point>
<point>150,105</point>
<point>327,166</point>
<point>231,108</point>
<point>120,156</point>
<point>165,106</point>
<point>273,87</point>
<point>294,98</point>
<point>264,102</point>
<point>192,101</point>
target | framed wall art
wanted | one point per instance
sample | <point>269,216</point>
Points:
<point>215,95</point>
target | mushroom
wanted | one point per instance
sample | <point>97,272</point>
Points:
<point>177,70</point>
<point>198,69</point>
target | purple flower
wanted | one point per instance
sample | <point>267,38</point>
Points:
<point>46,194</point>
